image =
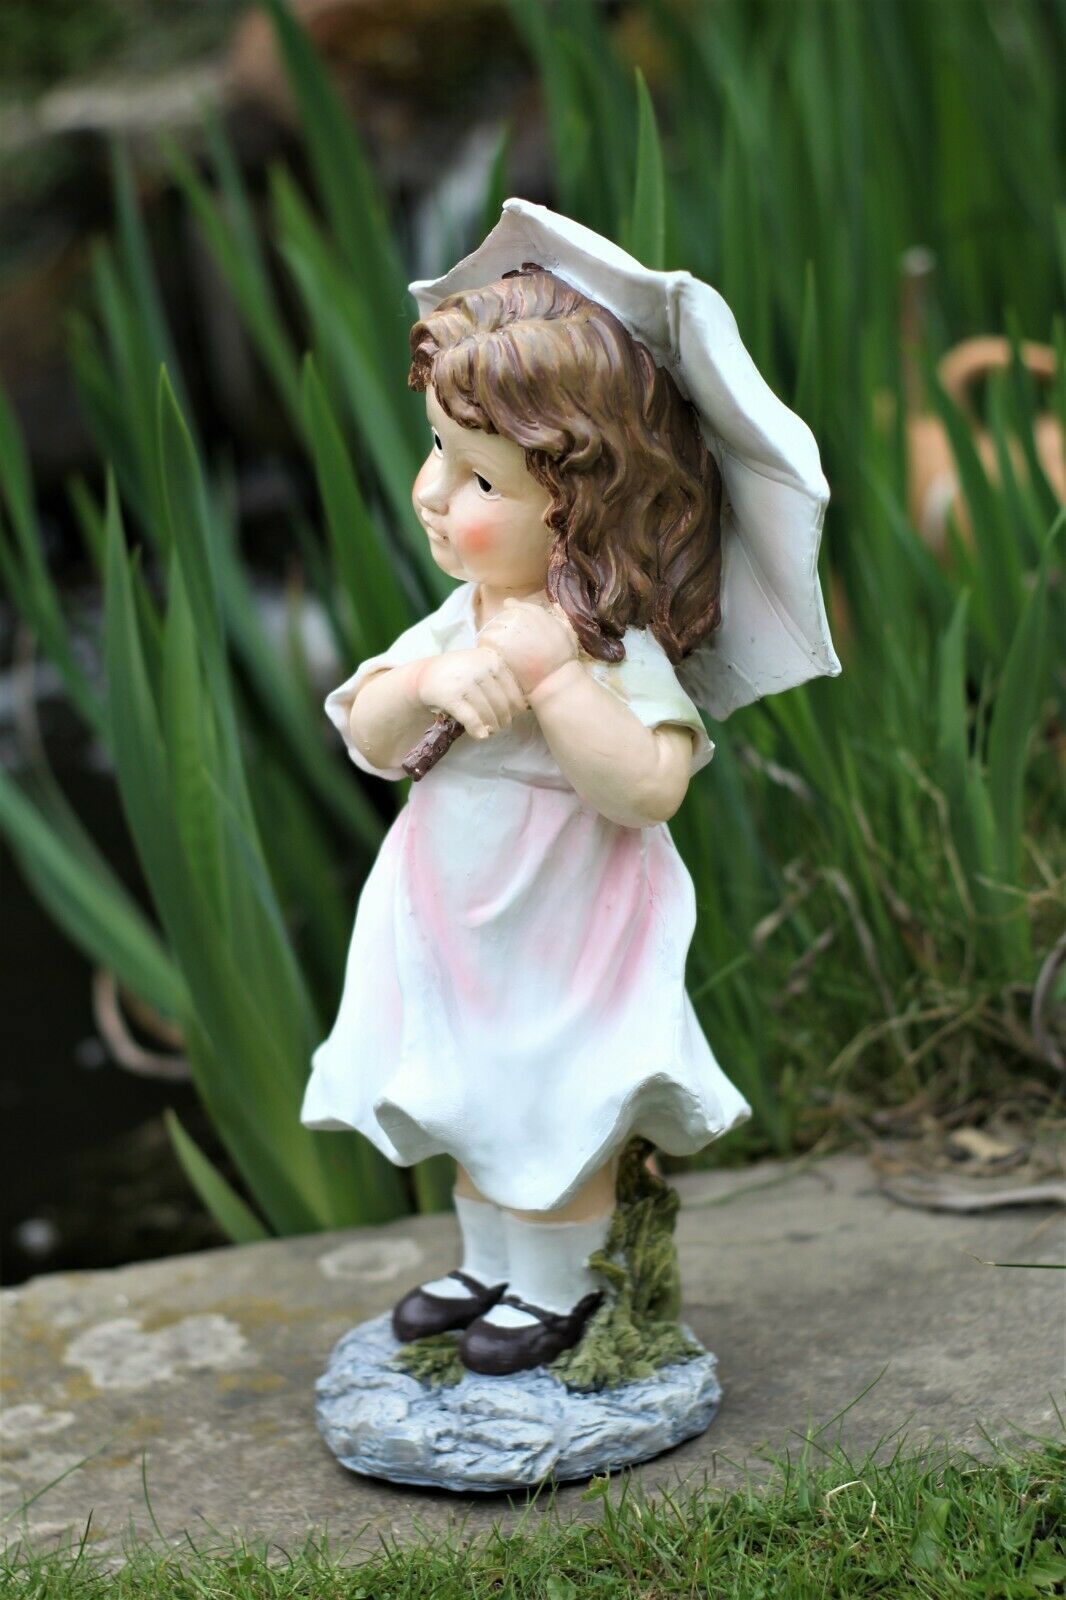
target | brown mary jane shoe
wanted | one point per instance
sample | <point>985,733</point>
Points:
<point>419,1314</point>
<point>486,1348</point>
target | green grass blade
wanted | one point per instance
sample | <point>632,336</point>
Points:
<point>390,420</point>
<point>1015,714</point>
<point>90,905</point>
<point>140,275</point>
<point>234,247</point>
<point>185,717</point>
<point>498,187</point>
<point>104,403</point>
<point>135,734</point>
<point>190,523</point>
<point>951,710</point>
<point>300,856</point>
<point>254,1105</point>
<point>301,726</point>
<point>133,368</point>
<point>379,607</point>
<point>996,593</point>
<point>806,398</point>
<point>25,571</point>
<point>569,122</point>
<point>434,1181</point>
<point>647,230</point>
<point>349,191</point>
<point>236,1219</point>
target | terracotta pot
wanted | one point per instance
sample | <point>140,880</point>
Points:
<point>933,488</point>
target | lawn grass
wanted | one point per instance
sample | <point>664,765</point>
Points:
<point>914,1525</point>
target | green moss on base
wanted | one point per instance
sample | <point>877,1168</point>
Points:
<point>434,1361</point>
<point>635,1331</point>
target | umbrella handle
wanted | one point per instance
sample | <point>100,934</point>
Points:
<point>432,745</point>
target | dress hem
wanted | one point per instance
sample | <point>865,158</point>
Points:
<point>626,1124</point>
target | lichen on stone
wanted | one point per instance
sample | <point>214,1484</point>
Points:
<point>636,1329</point>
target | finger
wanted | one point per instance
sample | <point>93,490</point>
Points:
<point>476,713</point>
<point>472,723</point>
<point>483,704</point>
<point>496,694</point>
<point>503,674</point>
<point>515,693</point>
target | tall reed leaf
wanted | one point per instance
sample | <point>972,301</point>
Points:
<point>234,1217</point>
<point>647,231</point>
<point>25,571</point>
<point>235,250</point>
<point>378,606</point>
<point>1015,717</point>
<point>190,525</point>
<point>348,188</point>
<point>90,905</point>
<point>217,984</point>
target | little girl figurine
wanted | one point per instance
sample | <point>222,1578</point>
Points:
<point>514,993</point>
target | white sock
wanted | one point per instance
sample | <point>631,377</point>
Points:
<point>484,1248</point>
<point>548,1266</point>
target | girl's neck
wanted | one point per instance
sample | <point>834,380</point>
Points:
<point>488,601</point>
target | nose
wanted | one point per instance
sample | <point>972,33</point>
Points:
<point>431,491</point>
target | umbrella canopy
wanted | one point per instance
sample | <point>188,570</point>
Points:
<point>774,633</point>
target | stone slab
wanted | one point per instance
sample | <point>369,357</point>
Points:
<point>194,1377</point>
<point>484,1435</point>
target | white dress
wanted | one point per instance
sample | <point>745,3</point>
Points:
<point>515,988</point>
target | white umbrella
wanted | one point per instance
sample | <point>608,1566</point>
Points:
<point>773,634</point>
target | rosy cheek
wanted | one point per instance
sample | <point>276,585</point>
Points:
<point>479,537</point>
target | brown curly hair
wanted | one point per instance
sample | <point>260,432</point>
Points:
<point>636,495</point>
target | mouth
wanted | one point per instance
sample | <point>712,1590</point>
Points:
<point>434,535</point>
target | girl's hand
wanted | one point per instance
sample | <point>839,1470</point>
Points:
<point>476,687</point>
<point>534,639</point>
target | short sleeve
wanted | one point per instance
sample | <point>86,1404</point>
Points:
<point>430,637</point>
<point>648,684</point>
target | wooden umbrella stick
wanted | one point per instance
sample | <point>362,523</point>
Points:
<point>432,745</point>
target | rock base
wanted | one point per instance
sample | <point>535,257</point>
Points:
<point>491,1434</point>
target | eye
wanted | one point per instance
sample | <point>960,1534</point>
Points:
<point>483,484</point>
<point>437,445</point>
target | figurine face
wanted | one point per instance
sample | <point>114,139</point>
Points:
<point>482,511</point>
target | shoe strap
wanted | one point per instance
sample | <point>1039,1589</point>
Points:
<point>584,1308</point>
<point>541,1315</point>
<point>470,1284</point>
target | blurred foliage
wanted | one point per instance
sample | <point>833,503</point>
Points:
<point>40,44</point>
<point>878,860</point>
<point>43,42</point>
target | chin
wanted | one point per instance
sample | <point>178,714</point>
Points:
<point>444,556</point>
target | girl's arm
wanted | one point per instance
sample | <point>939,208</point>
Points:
<point>632,774</point>
<point>393,708</point>
<point>387,717</point>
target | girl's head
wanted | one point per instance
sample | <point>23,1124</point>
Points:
<point>633,495</point>
<point>482,511</point>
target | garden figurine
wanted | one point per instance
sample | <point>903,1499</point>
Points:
<point>633,522</point>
